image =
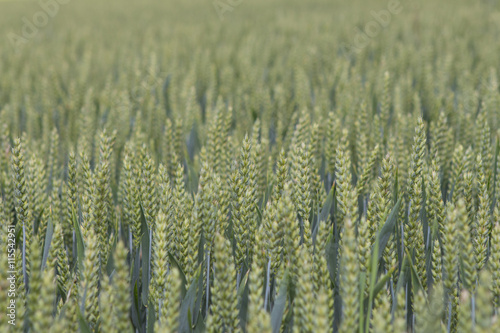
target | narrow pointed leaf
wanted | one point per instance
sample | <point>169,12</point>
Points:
<point>48,240</point>
<point>388,228</point>
<point>190,301</point>
<point>79,243</point>
<point>279,304</point>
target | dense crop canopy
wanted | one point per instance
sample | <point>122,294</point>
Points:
<point>249,166</point>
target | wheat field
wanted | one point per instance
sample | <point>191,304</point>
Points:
<point>249,166</point>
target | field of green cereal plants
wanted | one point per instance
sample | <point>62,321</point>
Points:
<point>249,166</point>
